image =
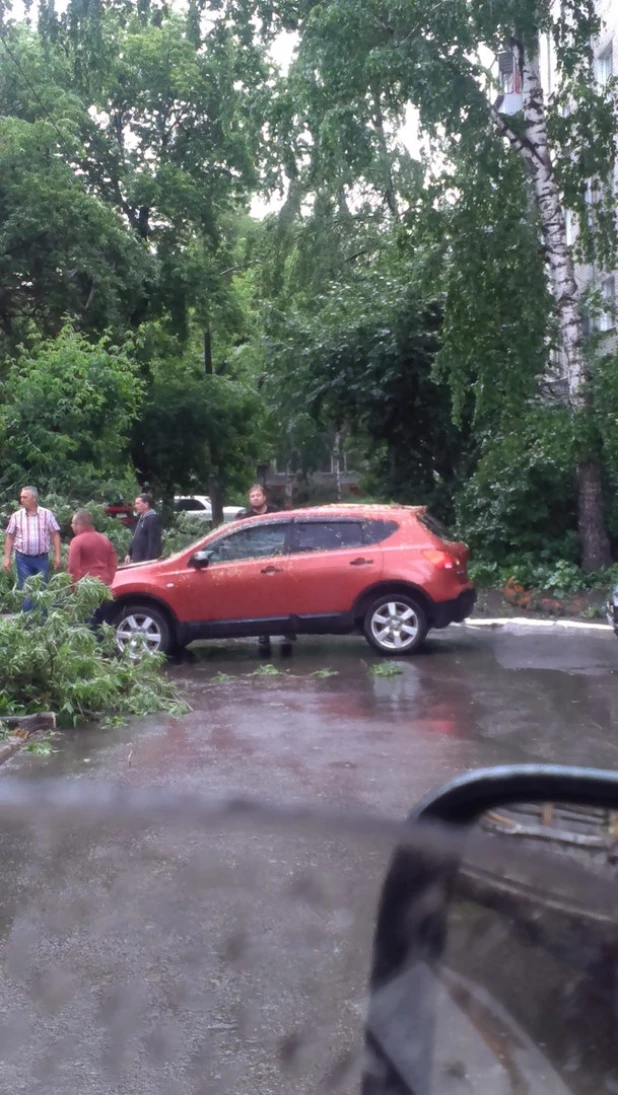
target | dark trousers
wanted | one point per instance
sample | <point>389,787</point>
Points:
<point>99,616</point>
<point>26,566</point>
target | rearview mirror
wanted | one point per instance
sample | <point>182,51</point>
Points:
<point>200,559</point>
<point>498,972</point>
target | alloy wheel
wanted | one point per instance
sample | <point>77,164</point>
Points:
<point>394,625</point>
<point>139,632</point>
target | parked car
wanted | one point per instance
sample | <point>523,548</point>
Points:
<point>389,572</point>
<point>200,507</point>
<point>120,512</point>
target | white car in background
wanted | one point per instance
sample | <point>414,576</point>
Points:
<point>199,506</point>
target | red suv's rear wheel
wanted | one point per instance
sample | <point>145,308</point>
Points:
<point>395,624</point>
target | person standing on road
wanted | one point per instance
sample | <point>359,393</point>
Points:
<point>92,554</point>
<point>258,503</point>
<point>32,531</point>
<point>146,542</point>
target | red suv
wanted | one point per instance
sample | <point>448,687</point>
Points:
<point>387,571</point>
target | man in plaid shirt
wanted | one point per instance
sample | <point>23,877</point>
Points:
<point>32,531</point>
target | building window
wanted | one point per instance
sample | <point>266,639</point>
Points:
<point>509,76</point>
<point>604,66</point>
<point>607,319</point>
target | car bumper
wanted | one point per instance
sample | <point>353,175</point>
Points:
<point>453,612</point>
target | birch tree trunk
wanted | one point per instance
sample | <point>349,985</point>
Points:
<point>337,463</point>
<point>288,490</point>
<point>533,146</point>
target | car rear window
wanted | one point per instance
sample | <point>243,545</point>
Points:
<point>375,531</point>
<point>327,535</point>
<point>430,522</point>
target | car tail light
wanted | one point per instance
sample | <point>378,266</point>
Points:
<point>440,559</point>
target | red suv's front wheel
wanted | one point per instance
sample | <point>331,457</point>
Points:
<point>395,624</point>
<point>142,629</point>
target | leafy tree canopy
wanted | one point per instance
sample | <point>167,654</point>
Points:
<point>66,410</point>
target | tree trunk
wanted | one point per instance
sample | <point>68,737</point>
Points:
<point>387,181</point>
<point>288,490</point>
<point>537,156</point>
<point>207,352</point>
<point>596,552</point>
<point>216,498</point>
<point>337,463</point>
<point>29,724</point>
<point>533,146</point>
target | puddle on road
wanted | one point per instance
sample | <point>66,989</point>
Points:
<point>336,681</point>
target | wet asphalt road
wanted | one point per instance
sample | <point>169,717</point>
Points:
<point>165,959</point>
<point>473,697</point>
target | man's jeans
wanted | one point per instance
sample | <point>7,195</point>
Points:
<point>26,566</point>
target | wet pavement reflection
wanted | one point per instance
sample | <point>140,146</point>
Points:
<point>326,725</point>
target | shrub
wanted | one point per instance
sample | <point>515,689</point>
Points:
<point>52,660</point>
<point>522,495</point>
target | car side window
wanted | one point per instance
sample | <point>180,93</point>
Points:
<point>375,531</point>
<point>327,535</point>
<point>188,504</point>
<point>250,543</point>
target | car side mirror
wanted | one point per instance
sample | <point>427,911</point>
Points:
<point>200,559</point>
<point>495,962</point>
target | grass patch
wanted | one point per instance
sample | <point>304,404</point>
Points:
<point>42,748</point>
<point>386,669</point>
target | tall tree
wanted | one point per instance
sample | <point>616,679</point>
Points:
<point>360,66</point>
<point>68,405</point>
<point>64,252</point>
<point>159,114</point>
<point>152,118</point>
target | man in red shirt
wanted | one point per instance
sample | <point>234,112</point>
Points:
<point>91,553</point>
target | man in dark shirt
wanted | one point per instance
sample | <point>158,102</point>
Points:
<point>258,503</point>
<point>146,542</point>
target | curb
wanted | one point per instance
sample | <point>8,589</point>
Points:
<point>8,750</point>
<point>524,621</point>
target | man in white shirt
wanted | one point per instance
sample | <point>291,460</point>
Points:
<point>32,531</point>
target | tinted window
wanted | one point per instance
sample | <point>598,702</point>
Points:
<point>435,526</point>
<point>327,535</point>
<point>376,531</point>
<point>188,504</point>
<point>250,543</point>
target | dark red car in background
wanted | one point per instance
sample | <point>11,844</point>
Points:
<point>120,512</point>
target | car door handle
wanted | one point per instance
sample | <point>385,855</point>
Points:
<point>271,570</point>
<point>361,562</point>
